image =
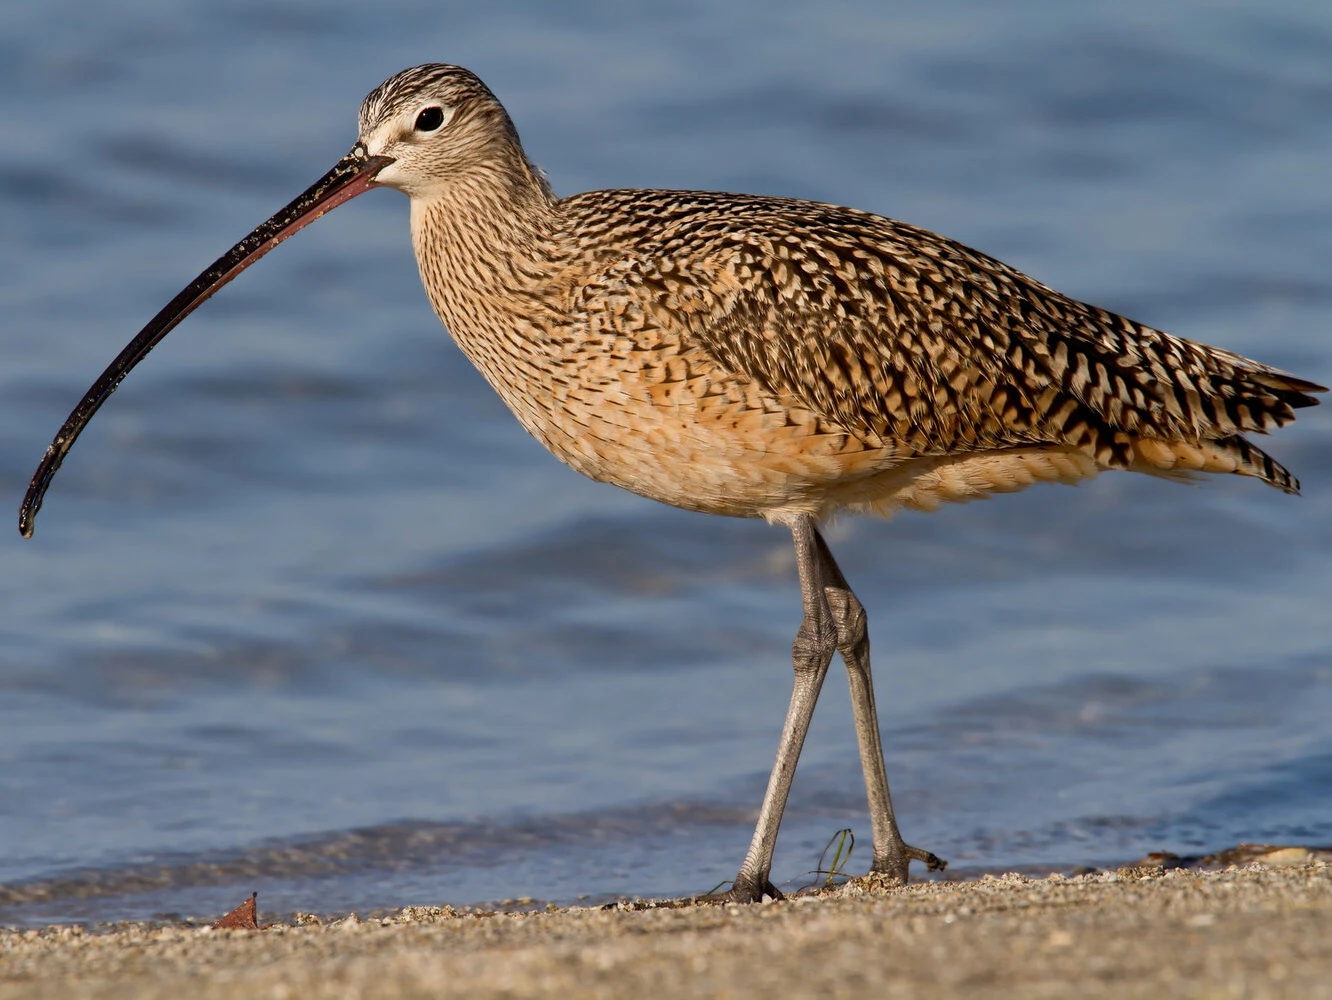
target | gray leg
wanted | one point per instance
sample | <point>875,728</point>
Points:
<point>892,855</point>
<point>811,653</point>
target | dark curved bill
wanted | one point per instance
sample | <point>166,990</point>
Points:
<point>352,175</point>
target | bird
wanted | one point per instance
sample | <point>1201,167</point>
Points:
<point>762,357</point>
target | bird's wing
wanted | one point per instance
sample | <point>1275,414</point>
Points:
<point>900,335</point>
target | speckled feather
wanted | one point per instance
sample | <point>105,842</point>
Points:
<point>771,357</point>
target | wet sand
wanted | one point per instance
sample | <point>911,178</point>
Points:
<point>1242,932</point>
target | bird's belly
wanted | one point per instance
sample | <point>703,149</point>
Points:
<point>679,431</point>
<point>720,446</point>
<point>753,464</point>
<point>778,466</point>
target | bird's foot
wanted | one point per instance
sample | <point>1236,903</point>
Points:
<point>932,861</point>
<point>744,890</point>
<point>892,867</point>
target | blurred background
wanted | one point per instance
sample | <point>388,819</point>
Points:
<point>307,612</point>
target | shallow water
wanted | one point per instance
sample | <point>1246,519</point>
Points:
<point>307,612</point>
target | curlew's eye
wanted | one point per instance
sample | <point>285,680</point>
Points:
<point>429,119</point>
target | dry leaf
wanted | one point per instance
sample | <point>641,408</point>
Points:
<point>243,918</point>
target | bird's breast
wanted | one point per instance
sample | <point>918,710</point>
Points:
<point>637,406</point>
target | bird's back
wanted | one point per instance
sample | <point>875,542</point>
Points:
<point>927,355</point>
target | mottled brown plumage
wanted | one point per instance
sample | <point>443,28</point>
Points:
<point>763,357</point>
<point>768,357</point>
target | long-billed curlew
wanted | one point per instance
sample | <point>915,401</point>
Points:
<point>762,357</point>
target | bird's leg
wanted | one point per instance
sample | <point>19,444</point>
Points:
<point>811,653</point>
<point>892,855</point>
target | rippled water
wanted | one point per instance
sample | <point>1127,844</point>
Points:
<point>307,612</point>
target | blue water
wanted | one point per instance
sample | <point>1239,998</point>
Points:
<point>307,612</point>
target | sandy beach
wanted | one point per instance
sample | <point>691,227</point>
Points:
<point>1141,931</point>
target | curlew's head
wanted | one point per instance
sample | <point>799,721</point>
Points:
<point>435,122</point>
<point>418,130</point>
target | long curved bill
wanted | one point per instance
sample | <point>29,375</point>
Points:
<point>352,175</point>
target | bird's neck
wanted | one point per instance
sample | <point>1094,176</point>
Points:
<point>488,246</point>
<point>482,239</point>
